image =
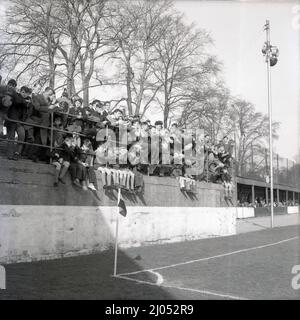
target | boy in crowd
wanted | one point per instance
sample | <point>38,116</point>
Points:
<point>12,83</point>
<point>76,129</point>
<point>62,160</point>
<point>58,136</point>
<point>86,159</point>
<point>43,104</point>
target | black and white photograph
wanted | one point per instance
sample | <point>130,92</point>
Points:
<point>149,151</point>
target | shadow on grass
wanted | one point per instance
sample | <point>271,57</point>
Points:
<point>83,277</point>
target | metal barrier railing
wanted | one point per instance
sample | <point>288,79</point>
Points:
<point>35,125</point>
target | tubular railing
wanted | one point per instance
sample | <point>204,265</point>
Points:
<point>51,129</point>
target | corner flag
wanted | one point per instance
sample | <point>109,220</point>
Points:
<point>121,205</point>
<point>123,211</point>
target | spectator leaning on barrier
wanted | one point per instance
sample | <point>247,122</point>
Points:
<point>43,105</point>
<point>16,112</point>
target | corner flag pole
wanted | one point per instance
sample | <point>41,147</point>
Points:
<point>270,121</point>
<point>117,234</point>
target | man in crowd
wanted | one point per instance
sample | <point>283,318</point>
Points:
<point>16,112</point>
<point>43,105</point>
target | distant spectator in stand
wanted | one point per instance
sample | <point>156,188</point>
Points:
<point>223,155</point>
<point>115,118</point>
<point>65,94</point>
<point>158,127</point>
<point>207,145</point>
<point>77,108</point>
<point>145,129</point>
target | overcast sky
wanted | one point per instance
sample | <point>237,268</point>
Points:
<point>237,30</point>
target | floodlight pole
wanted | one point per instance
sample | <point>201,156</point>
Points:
<point>268,55</point>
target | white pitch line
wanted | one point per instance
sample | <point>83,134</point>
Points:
<point>211,293</point>
<point>159,277</point>
<point>210,258</point>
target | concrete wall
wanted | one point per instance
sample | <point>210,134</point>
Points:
<point>38,221</point>
<point>243,213</point>
<point>26,183</point>
<point>293,210</point>
<point>29,233</point>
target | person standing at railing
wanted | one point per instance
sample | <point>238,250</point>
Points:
<point>98,115</point>
<point>43,105</point>
<point>16,112</point>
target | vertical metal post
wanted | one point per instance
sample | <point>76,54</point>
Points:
<point>117,234</point>
<point>253,194</point>
<point>51,135</point>
<point>235,151</point>
<point>207,167</point>
<point>293,198</point>
<point>270,120</point>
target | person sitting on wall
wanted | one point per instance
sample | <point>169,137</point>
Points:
<point>62,159</point>
<point>228,148</point>
<point>86,159</point>
<point>77,168</point>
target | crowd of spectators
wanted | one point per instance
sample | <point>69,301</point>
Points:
<point>65,132</point>
<point>262,203</point>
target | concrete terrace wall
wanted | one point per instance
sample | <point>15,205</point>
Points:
<point>38,221</point>
<point>28,183</point>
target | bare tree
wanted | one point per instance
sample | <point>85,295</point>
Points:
<point>137,27</point>
<point>251,129</point>
<point>29,40</point>
<point>57,42</point>
<point>182,56</point>
<point>208,108</point>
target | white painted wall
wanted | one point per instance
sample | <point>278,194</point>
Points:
<point>243,213</point>
<point>29,233</point>
<point>293,210</point>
